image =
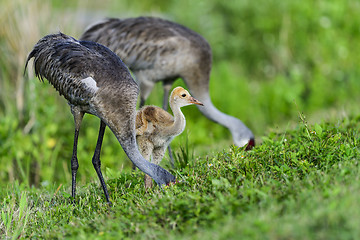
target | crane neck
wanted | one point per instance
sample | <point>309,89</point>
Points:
<point>179,120</point>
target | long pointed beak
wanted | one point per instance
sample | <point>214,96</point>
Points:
<point>195,101</point>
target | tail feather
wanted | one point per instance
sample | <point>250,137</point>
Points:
<point>41,52</point>
<point>64,62</point>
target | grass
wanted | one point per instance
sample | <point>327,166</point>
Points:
<point>299,184</point>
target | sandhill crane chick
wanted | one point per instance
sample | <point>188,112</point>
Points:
<point>156,128</point>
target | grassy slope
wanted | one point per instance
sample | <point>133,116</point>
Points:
<point>300,184</point>
<point>271,60</point>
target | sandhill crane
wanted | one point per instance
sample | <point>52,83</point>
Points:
<point>159,50</point>
<point>156,128</point>
<point>94,80</point>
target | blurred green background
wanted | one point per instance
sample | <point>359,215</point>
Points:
<point>271,60</point>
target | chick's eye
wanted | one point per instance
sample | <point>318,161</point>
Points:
<point>184,95</point>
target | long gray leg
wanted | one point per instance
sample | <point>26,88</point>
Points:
<point>167,84</point>
<point>96,160</point>
<point>172,161</point>
<point>78,116</point>
<point>145,85</point>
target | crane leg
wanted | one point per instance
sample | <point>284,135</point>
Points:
<point>78,116</point>
<point>96,160</point>
<point>167,84</point>
<point>172,161</point>
<point>142,102</point>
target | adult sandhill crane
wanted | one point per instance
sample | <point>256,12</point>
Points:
<point>160,50</point>
<point>94,80</point>
<point>156,128</point>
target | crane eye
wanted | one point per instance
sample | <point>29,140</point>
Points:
<point>184,95</point>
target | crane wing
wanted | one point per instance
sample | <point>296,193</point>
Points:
<point>77,69</point>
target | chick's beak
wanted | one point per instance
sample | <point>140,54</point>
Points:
<point>195,101</point>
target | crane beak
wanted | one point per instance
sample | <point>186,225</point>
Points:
<point>195,101</point>
<point>250,144</point>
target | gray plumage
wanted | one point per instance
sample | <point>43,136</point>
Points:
<point>94,80</point>
<point>159,50</point>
